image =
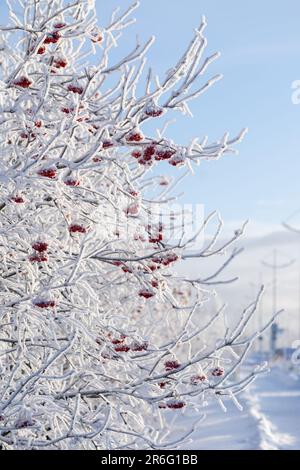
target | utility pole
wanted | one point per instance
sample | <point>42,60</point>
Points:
<point>275,266</point>
<point>255,286</point>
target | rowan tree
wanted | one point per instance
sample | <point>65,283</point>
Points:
<point>99,337</point>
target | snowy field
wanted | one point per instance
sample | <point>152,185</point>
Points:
<point>270,419</point>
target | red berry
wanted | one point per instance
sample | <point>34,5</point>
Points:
<point>197,379</point>
<point>41,50</point>
<point>77,229</point>
<point>136,154</point>
<point>52,38</point>
<point>45,303</point>
<point>18,199</point>
<point>71,182</point>
<point>164,154</point>
<point>164,182</point>
<point>139,347</point>
<point>48,173</point>
<point>67,110</point>
<point>170,258</point>
<point>176,405</point>
<point>117,341</point>
<point>60,63</point>
<point>97,38</point>
<point>134,137</point>
<point>149,152</point>
<point>134,193</point>
<point>172,365</point>
<point>117,263</point>
<point>127,270</point>
<point>153,267</point>
<point>147,294</point>
<point>156,238</point>
<point>75,89</point>
<point>163,384</point>
<point>59,25</point>
<point>106,144</point>
<point>38,124</point>
<point>177,161</point>
<point>23,82</point>
<point>154,283</point>
<point>40,246</point>
<point>218,372</point>
<point>122,348</point>
<point>154,113</point>
<point>40,258</point>
<point>152,110</point>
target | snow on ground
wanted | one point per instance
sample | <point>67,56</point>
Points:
<point>270,419</point>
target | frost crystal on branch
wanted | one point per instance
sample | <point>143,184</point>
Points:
<point>99,337</point>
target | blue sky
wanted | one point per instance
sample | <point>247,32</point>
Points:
<point>260,46</point>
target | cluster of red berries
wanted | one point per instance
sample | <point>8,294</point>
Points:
<point>134,136</point>
<point>135,348</point>
<point>76,228</point>
<point>120,345</point>
<point>72,182</point>
<point>27,135</point>
<point>45,303</point>
<point>40,246</point>
<point>173,405</point>
<point>39,258</point>
<point>59,25</point>
<point>155,283</point>
<point>172,365</point>
<point>106,144</point>
<point>40,255</point>
<point>48,173</point>
<point>146,294</point>
<point>198,379</point>
<point>75,89</point>
<point>122,265</point>
<point>139,347</point>
<point>23,82</point>
<point>122,348</point>
<point>52,38</point>
<point>164,260</point>
<point>41,50</point>
<point>18,199</point>
<point>133,193</point>
<point>25,423</point>
<point>60,63</point>
<point>151,153</point>
<point>156,234</point>
<point>218,372</point>
<point>162,385</point>
<point>154,112</point>
<point>67,110</point>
